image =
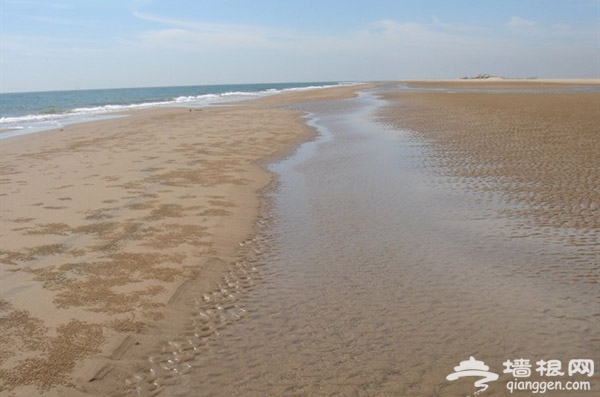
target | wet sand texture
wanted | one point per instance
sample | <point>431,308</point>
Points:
<point>539,151</point>
<point>384,268</point>
<point>110,229</point>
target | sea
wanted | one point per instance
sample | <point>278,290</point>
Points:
<point>29,112</point>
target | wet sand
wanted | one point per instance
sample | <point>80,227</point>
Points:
<point>381,270</point>
<point>110,229</point>
<point>394,246</point>
<point>534,143</point>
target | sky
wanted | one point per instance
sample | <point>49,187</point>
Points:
<point>83,44</point>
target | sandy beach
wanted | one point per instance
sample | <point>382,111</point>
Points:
<point>117,234</point>
<point>386,266</point>
<point>108,227</point>
<point>535,146</point>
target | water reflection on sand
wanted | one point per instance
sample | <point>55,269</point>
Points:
<point>378,278</point>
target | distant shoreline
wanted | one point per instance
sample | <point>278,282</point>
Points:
<point>511,80</point>
<point>490,77</point>
<point>30,112</point>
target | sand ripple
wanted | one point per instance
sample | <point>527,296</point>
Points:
<point>212,313</point>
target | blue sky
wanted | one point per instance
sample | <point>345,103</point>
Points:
<point>76,44</point>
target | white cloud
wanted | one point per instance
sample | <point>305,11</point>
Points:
<point>438,23</point>
<point>548,34</point>
<point>424,36</point>
<point>168,21</point>
<point>188,40</point>
<point>200,35</point>
<point>518,23</point>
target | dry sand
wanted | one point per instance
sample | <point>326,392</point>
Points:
<point>110,229</point>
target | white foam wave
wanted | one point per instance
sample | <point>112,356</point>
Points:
<point>29,118</point>
<point>37,122</point>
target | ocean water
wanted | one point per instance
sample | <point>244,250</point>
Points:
<point>23,113</point>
